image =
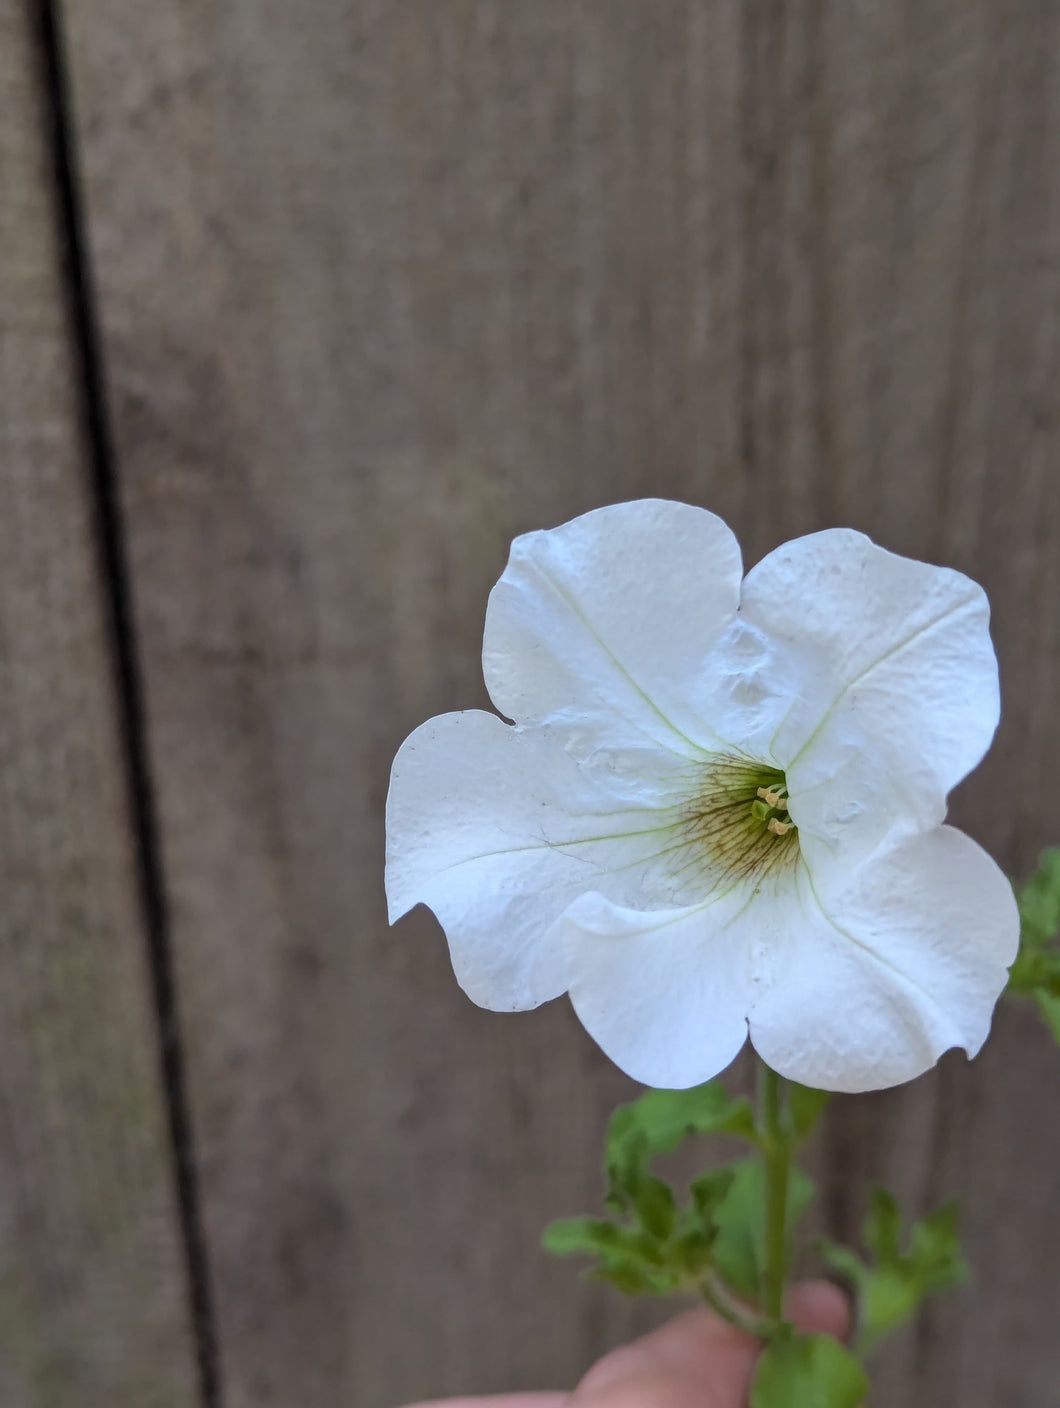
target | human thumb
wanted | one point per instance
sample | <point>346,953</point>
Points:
<point>697,1360</point>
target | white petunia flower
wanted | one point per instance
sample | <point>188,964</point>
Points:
<point>719,810</point>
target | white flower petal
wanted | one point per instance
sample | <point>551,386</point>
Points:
<point>899,693</point>
<point>664,992</point>
<point>497,829</point>
<point>868,979</point>
<point>602,624</point>
<point>746,688</point>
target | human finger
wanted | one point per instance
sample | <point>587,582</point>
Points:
<point>699,1361</point>
<point>502,1400</point>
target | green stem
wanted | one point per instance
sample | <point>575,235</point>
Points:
<point>776,1152</point>
<point>717,1296</point>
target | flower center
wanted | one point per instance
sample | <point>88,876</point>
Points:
<point>771,806</point>
<point>738,822</point>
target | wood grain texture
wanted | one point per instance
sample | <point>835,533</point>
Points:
<point>383,284</point>
<point>92,1293</point>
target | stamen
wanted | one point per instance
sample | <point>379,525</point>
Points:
<point>737,821</point>
<point>774,798</point>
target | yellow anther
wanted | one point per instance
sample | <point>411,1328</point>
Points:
<point>772,797</point>
<point>779,828</point>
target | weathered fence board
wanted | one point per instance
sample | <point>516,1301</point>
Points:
<point>92,1293</point>
<point>382,284</point>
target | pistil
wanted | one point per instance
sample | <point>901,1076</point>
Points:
<point>771,806</point>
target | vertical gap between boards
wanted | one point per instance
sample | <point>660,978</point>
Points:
<point>109,529</point>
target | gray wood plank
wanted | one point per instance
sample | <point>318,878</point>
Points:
<point>385,284</point>
<point>92,1292</point>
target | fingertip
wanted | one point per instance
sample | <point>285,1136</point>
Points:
<point>688,1352</point>
<point>820,1307</point>
<point>659,1389</point>
<point>697,1360</point>
<point>503,1400</point>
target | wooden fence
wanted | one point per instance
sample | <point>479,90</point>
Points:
<point>305,309</point>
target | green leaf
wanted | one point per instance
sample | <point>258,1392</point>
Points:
<point>691,1245</point>
<point>654,1206</point>
<point>891,1286</point>
<point>740,1220</point>
<point>657,1122</point>
<point>882,1226</point>
<point>807,1371</point>
<point>844,1260</point>
<point>711,1189</point>
<point>805,1105</point>
<point>935,1254</point>
<point>568,1236</point>
<point>594,1236</point>
<point>1049,1008</point>
<point>628,1258</point>
<point>631,1278</point>
<point>650,1245</point>
<point>1039,901</point>
<point>1036,971</point>
<point>739,1248</point>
